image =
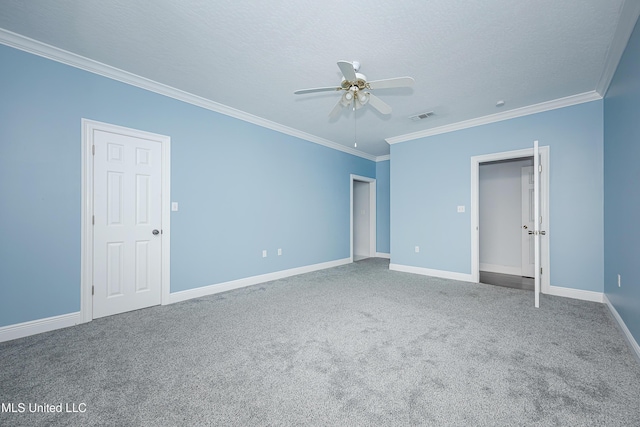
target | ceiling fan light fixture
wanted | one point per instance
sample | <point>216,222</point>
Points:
<point>355,88</point>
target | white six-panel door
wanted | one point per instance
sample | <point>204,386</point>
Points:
<point>127,242</point>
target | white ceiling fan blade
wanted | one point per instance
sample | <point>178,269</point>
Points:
<point>379,104</point>
<point>336,110</point>
<point>389,83</point>
<point>347,71</point>
<point>317,89</point>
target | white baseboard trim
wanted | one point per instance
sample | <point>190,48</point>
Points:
<point>463,277</point>
<point>21,330</point>
<point>592,296</point>
<point>502,269</point>
<point>627,333</point>
<point>383,255</point>
<point>250,281</point>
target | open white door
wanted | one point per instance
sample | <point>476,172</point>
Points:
<point>537,220</point>
<point>528,218</point>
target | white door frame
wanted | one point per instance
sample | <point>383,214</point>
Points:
<point>475,209</point>
<point>86,233</point>
<point>372,213</point>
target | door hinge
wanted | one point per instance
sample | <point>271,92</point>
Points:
<point>93,290</point>
<point>93,220</point>
<point>540,270</point>
<point>541,219</point>
<point>539,168</point>
<point>93,150</point>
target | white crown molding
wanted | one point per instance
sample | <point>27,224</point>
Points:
<point>506,115</point>
<point>65,57</point>
<point>629,13</point>
<point>383,158</point>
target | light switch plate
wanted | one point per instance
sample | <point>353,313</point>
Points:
<point>174,206</point>
<point>460,209</point>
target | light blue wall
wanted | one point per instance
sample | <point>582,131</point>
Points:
<point>622,195</point>
<point>383,187</point>
<point>241,188</point>
<point>431,176</point>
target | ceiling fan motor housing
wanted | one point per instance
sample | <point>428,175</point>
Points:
<point>361,82</point>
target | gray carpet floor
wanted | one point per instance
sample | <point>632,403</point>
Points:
<point>349,346</point>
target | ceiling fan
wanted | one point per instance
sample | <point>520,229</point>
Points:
<point>357,90</point>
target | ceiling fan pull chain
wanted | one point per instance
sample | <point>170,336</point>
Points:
<point>355,129</point>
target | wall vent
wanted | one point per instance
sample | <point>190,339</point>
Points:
<point>422,116</point>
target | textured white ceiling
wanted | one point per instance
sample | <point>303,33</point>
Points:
<point>464,55</point>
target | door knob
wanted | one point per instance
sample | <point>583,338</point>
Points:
<point>155,232</point>
<point>530,231</point>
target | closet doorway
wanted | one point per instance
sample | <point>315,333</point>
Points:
<point>506,216</point>
<point>363,217</point>
<point>541,231</point>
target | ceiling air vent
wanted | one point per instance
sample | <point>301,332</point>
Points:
<point>422,116</point>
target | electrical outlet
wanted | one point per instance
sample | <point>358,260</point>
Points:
<point>264,253</point>
<point>618,280</point>
<point>460,209</point>
<point>417,249</point>
<point>279,252</point>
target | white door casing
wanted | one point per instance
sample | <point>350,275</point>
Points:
<point>125,198</point>
<point>371,211</point>
<point>544,209</point>
<point>528,261</point>
<point>361,222</point>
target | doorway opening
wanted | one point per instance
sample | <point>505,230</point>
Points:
<point>362,217</point>
<point>506,215</point>
<point>501,228</point>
